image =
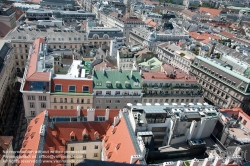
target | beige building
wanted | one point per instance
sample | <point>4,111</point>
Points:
<point>223,84</point>
<point>8,17</point>
<point>58,39</point>
<point>171,85</point>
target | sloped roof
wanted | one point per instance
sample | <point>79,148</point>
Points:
<point>31,140</point>
<point>32,74</point>
<point>120,146</point>
<point>214,12</point>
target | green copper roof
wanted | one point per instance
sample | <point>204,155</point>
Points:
<point>117,79</point>
<point>247,72</point>
<point>226,70</point>
<point>152,63</point>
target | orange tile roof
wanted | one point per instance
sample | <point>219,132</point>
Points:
<point>203,36</point>
<point>227,34</point>
<point>57,137</point>
<point>104,64</point>
<point>214,12</point>
<point>31,141</point>
<point>152,23</point>
<point>148,21</point>
<point>180,75</point>
<point>119,146</point>
<point>32,75</point>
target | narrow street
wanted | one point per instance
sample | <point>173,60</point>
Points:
<point>16,123</point>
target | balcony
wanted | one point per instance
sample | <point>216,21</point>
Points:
<point>119,96</point>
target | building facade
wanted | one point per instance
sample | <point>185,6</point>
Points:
<point>221,84</point>
<point>8,17</point>
<point>170,85</point>
<point>54,81</point>
<point>7,78</point>
<point>172,124</point>
<point>174,55</point>
<point>114,89</point>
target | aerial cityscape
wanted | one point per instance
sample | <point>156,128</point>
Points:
<point>124,82</point>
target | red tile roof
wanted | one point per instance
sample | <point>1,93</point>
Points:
<point>130,19</point>
<point>32,74</point>
<point>227,34</point>
<point>119,146</point>
<point>148,21</point>
<point>104,64</point>
<point>31,141</point>
<point>214,12</point>
<point>203,36</point>
<point>57,137</point>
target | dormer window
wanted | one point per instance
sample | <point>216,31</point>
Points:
<point>118,84</point>
<point>72,137</point>
<point>127,84</point>
<point>85,137</point>
<point>72,88</point>
<point>108,83</point>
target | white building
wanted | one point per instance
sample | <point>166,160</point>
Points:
<point>115,44</point>
<point>172,124</point>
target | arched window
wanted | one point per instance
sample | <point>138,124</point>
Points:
<point>95,37</point>
<point>106,36</point>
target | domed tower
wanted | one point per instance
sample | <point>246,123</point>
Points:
<point>152,36</point>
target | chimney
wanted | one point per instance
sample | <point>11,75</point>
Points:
<point>90,114</point>
<point>194,162</point>
<point>78,109</point>
<point>116,120</point>
<point>107,114</point>
<point>207,162</point>
<point>179,163</point>
<point>140,72</point>
<point>131,73</point>
<point>46,113</point>
<point>217,161</point>
<point>134,158</point>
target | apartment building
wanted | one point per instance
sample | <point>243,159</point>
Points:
<point>58,39</point>
<point>8,17</point>
<point>125,23</point>
<point>59,4</point>
<point>173,124</point>
<point>83,133</point>
<point>103,35</point>
<point>175,55</point>
<point>150,65</point>
<point>116,88</point>
<point>126,59</point>
<point>7,76</point>
<point>170,85</point>
<point>47,14</point>
<point>115,44</point>
<point>54,80</point>
<point>152,39</point>
<point>222,83</point>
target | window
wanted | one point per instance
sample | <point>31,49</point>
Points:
<point>54,100</point>
<point>244,122</point>
<point>72,88</point>
<point>108,101</point>
<point>61,100</point>
<point>72,156</point>
<point>117,92</point>
<point>96,146</point>
<point>58,88</point>
<point>65,100</point>
<point>32,113</point>
<point>72,148</point>
<point>31,97</point>
<point>72,164</point>
<point>32,105</point>
<point>84,156</point>
<point>98,92</point>
<point>82,101</point>
<point>166,101</point>
<point>156,100</point>
<point>117,101</point>
<point>95,154</point>
<point>187,100</point>
<point>55,107</point>
<point>85,89</point>
<point>84,148</point>
<point>43,105</point>
<point>71,100</point>
<point>108,92</point>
